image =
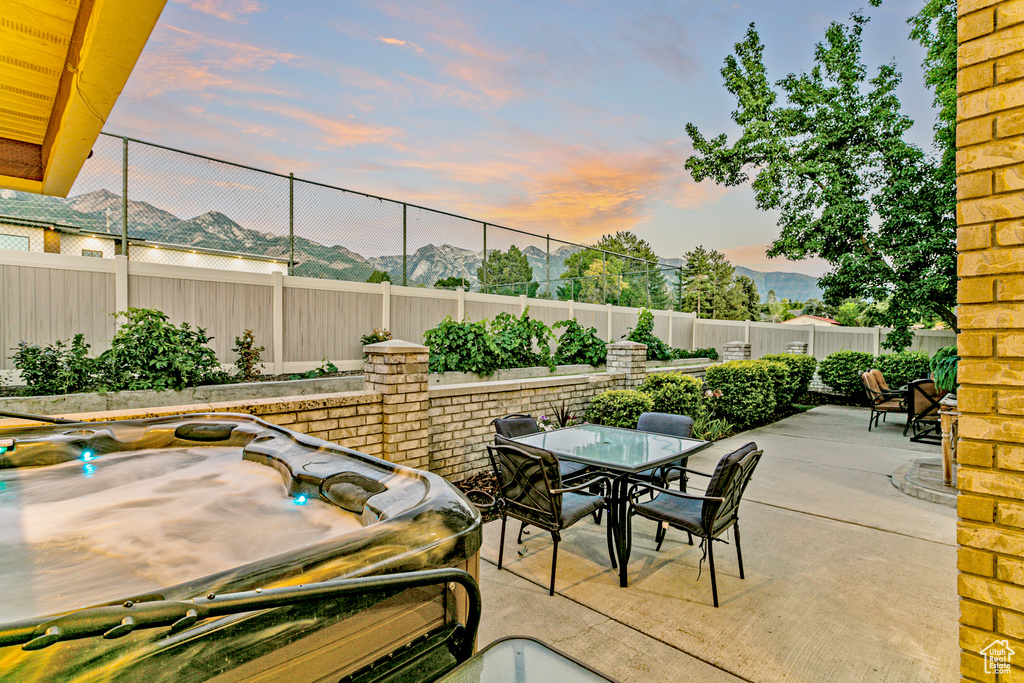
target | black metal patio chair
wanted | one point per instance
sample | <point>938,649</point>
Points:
<point>670,425</point>
<point>530,490</point>
<point>923,412</point>
<point>708,516</point>
<point>518,424</point>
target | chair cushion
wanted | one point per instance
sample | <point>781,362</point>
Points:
<point>570,469</point>
<point>681,512</point>
<point>665,423</point>
<point>894,405</point>
<point>576,506</point>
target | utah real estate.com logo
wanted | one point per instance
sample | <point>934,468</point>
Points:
<point>997,657</point>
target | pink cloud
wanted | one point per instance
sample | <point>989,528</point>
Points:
<point>335,133</point>
<point>228,10</point>
<point>401,43</point>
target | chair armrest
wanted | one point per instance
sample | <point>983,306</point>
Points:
<point>646,488</point>
<point>587,484</point>
<point>684,469</point>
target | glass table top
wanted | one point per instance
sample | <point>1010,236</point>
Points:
<point>624,450</point>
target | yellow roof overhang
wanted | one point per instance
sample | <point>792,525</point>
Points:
<point>63,64</point>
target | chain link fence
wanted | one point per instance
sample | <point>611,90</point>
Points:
<point>162,205</point>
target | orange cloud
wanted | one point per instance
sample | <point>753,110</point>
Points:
<point>335,133</point>
<point>401,43</point>
<point>228,10</point>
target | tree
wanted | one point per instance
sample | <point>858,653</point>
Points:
<point>827,151</point>
<point>379,276</point>
<point>507,273</point>
<point>748,296</point>
<point>632,278</point>
<point>708,289</point>
<point>452,282</point>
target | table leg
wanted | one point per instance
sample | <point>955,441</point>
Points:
<point>623,542</point>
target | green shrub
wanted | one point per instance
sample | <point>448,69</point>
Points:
<point>248,362</point>
<point>619,408</point>
<point>673,392</point>
<point>517,338</point>
<point>784,385</point>
<point>461,347</point>
<point>801,368</point>
<point>903,367</point>
<point>375,337</point>
<point>842,370</point>
<point>56,368</point>
<point>740,391</point>
<point>943,365</point>
<point>326,368</point>
<point>578,345</point>
<point>695,353</point>
<point>644,334</point>
<point>148,352</point>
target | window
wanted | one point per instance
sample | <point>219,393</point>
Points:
<point>17,242</point>
<point>93,253</point>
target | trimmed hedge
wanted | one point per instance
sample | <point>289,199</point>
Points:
<point>801,368</point>
<point>673,392</point>
<point>903,367</point>
<point>741,391</point>
<point>842,370</point>
<point>783,385</point>
<point>619,408</point>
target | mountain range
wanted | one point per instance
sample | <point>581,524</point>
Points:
<point>101,211</point>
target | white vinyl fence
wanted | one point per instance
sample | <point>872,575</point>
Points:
<point>46,297</point>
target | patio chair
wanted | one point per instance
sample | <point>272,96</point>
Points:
<point>530,490</point>
<point>923,412</point>
<point>518,424</point>
<point>670,425</point>
<point>882,402</point>
<point>708,516</point>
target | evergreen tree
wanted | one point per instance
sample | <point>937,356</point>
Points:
<point>508,273</point>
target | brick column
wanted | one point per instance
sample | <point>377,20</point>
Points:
<point>736,350</point>
<point>990,241</point>
<point>630,359</point>
<point>798,348</point>
<point>398,370</point>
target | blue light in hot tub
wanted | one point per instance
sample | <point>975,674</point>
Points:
<point>300,500</point>
<point>88,470</point>
<point>87,456</point>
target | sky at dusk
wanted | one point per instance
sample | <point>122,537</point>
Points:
<point>562,117</point>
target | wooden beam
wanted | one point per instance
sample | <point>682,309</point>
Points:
<point>21,159</point>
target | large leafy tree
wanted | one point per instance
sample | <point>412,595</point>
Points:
<point>826,149</point>
<point>508,273</point>
<point>632,278</point>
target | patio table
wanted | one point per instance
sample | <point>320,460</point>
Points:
<point>620,453</point>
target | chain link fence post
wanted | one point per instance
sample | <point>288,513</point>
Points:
<point>548,256</point>
<point>405,245</point>
<point>291,223</point>
<point>124,199</point>
<point>484,267</point>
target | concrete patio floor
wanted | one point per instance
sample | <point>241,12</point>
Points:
<point>847,578</point>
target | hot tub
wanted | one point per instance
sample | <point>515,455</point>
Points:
<point>189,507</point>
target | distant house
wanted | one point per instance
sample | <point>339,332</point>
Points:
<point>811,320</point>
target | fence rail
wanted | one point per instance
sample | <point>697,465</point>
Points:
<point>303,320</point>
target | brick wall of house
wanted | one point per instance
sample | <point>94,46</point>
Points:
<point>990,239</point>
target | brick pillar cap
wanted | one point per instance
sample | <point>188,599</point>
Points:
<point>395,346</point>
<point>736,343</point>
<point>626,344</point>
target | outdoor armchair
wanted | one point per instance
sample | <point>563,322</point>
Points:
<point>671,425</point>
<point>708,516</point>
<point>923,411</point>
<point>530,490</point>
<point>882,401</point>
<point>518,424</point>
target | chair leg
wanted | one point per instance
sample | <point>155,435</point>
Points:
<point>871,418</point>
<point>501,544</point>
<point>739,555</point>
<point>522,526</point>
<point>611,541</point>
<point>689,538</point>
<point>711,564</point>
<point>554,561</point>
<point>659,535</point>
